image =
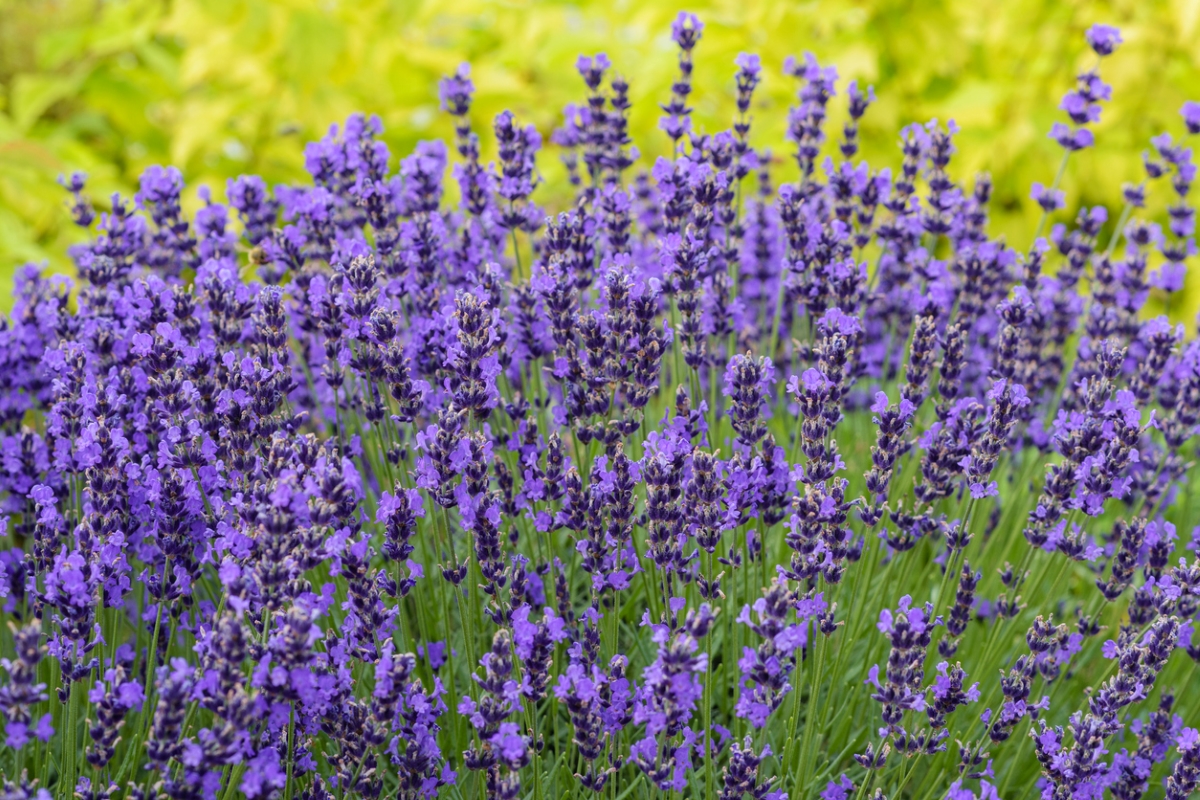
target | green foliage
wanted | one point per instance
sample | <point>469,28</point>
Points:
<point>221,87</point>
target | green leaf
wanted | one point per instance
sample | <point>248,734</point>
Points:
<point>33,94</point>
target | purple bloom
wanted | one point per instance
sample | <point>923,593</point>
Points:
<point>1104,39</point>
<point>1191,116</point>
<point>686,30</point>
<point>1071,138</point>
<point>840,789</point>
<point>1049,199</point>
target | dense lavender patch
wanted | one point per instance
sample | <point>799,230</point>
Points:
<point>704,486</point>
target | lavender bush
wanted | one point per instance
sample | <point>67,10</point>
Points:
<point>701,487</point>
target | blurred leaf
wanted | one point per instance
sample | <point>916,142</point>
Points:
<point>32,94</point>
<point>57,48</point>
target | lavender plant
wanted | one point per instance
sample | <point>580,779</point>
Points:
<point>707,485</point>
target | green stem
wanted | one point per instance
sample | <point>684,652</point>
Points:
<point>1062,167</point>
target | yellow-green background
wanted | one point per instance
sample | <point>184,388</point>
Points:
<point>220,87</point>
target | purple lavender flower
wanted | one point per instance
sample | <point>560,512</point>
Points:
<point>685,31</point>
<point>748,381</point>
<point>1104,39</point>
<point>765,670</point>
<point>1191,116</point>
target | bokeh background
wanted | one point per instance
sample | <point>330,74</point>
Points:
<point>223,87</point>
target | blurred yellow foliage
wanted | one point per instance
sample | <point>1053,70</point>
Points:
<point>222,87</point>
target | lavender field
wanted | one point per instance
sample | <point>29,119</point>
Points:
<point>763,472</point>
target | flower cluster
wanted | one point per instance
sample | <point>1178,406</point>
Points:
<point>343,489</point>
